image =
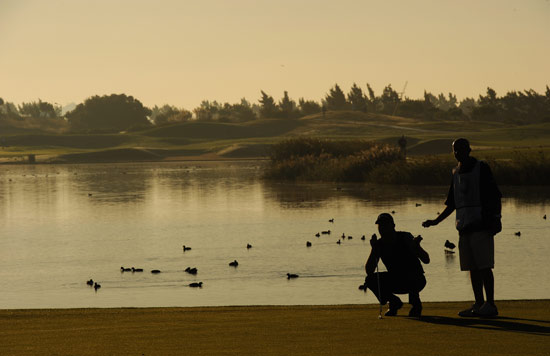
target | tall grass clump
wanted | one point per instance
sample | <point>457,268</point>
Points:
<point>532,168</point>
<point>313,159</point>
<point>305,146</point>
<point>520,169</point>
<point>328,160</point>
<point>414,171</point>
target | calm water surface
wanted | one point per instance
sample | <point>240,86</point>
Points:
<point>62,225</point>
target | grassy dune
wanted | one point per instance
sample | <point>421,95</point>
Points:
<point>211,130</point>
<point>253,139</point>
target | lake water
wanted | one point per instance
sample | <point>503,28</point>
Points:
<point>61,225</point>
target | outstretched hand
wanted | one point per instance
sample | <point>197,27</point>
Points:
<point>429,223</point>
<point>417,239</point>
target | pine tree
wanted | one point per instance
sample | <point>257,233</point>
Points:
<point>336,99</point>
<point>268,108</point>
<point>357,99</point>
<point>308,107</point>
<point>287,107</point>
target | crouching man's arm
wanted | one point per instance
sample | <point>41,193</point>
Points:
<point>420,252</point>
<point>372,261</point>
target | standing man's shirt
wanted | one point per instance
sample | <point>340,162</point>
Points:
<point>490,195</point>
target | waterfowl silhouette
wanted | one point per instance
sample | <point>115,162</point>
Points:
<point>155,271</point>
<point>331,220</point>
<point>350,237</point>
<point>90,282</point>
<point>137,269</point>
<point>338,242</point>
<point>291,275</point>
<point>191,270</point>
<point>449,244</point>
<point>196,285</point>
<point>544,217</point>
<point>317,234</point>
<point>326,232</point>
<point>248,246</point>
<point>393,211</point>
<point>234,263</point>
<point>517,233</point>
<point>308,244</point>
<point>343,235</point>
<point>122,269</point>
<point>363,237</point>
<point>185,248</point>
<point>97,286</point>
<point>418,204</point>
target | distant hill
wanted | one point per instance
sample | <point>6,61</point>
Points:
<point>216,140</point>
<point>213,130</point>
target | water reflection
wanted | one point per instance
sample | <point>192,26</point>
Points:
<point>527,195</point>
<point>296,195</point>
<point>56,236</point>
<point>111,183</point>
<point>292,195</point>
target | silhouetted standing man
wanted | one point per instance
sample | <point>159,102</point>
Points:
<point>402,142</point>
<point>476,198</point>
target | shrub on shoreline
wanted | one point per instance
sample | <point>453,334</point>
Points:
<point>523,169</point>
<point>327,160</point>
<point>418,171</point>
<point>310,159</point>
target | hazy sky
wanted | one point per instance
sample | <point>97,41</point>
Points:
<point>181,52</point>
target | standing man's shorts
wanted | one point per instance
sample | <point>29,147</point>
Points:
<point>476,250</point>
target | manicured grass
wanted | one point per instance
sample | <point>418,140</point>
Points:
<point>212,130</point>
<point>523,328</point>
<point>113,155</point>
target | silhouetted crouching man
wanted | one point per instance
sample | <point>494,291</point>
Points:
<point>476,198</point>
<point>401,253</point>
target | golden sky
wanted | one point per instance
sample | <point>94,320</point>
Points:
<point>182,52</point>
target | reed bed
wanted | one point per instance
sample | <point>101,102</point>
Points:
<point>523,168</point>
<point>316,159</point>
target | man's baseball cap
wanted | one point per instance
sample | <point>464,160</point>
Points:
<point>384,217</point>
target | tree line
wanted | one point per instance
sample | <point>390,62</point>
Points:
<point>120,112</point>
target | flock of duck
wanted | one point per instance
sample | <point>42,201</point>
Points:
<point>190,270</point>
<point>194,270</point>
<point>449,247</point>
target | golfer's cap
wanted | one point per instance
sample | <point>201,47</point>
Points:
<point>384,217</point>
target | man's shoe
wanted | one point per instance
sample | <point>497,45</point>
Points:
<point>394,307</point>
<point>471,312</point>
<point>416,311</point>
<point>488,310</point>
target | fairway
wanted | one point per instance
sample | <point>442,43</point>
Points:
<point>253,139</point>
